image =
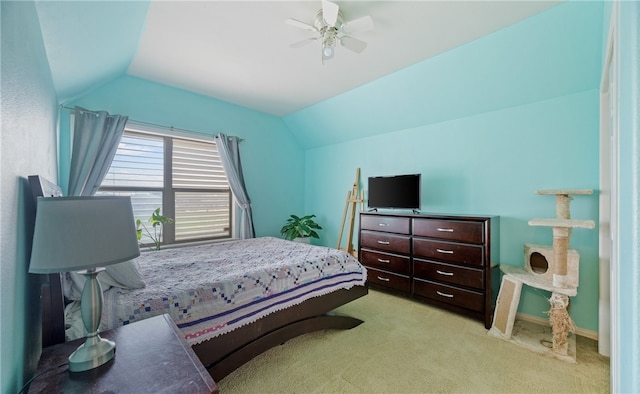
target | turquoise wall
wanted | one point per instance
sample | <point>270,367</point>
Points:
<point>101,29</point>
<point>486,124</point>
<point>28,147</point>
<point>273,163</point>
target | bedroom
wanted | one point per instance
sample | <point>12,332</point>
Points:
<point>483,109</point>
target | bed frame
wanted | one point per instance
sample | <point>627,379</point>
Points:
<point>223,354</point>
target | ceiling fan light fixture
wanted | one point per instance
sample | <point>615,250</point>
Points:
<point>328,42</point>
<point>332,30</point>
<point>327,52</point>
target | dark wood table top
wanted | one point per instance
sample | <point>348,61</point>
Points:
<point>152,356</point>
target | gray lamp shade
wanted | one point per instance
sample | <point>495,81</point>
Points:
<point>76,233</point>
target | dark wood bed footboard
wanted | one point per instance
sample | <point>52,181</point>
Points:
<point>222,355</point>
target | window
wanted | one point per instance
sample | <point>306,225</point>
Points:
<point>183,177</point>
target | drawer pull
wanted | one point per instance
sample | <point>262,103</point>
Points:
<point>445,251</point>
<point>384,242</point>
<point>442,294</point>
<point>386,261</point>
<point>383,224</point>
<point>444,230</point>
<point>444,273</point>
<point>385,279</point>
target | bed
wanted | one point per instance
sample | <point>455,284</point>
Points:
<point>232,300</point>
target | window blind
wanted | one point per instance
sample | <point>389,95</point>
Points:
<point>183,177</point>
<point>139,162</point>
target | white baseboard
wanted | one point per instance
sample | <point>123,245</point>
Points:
<point>544,322</point>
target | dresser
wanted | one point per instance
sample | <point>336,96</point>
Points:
<point>444,260</point>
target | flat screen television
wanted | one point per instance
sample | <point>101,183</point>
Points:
<point>398,191</point>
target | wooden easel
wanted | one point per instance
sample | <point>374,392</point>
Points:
<point>353,197</point>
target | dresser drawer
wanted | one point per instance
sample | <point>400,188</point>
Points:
<point>387,279</point>
<point>449,252</point>
<point>451,295</point>
<point>384,241</point>
<point>385,261</point>
<point>453,274</point>
<point>388,224</point>
<point>469,232</point>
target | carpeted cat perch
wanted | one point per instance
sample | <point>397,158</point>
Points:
<point>553,269</point>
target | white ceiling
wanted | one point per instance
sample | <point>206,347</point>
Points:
<point>238,51</point>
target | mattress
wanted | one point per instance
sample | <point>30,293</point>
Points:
<point>212,289</point>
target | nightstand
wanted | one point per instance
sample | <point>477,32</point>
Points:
<point>152,356</point>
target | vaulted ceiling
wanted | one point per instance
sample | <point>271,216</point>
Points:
<point>239,51</point>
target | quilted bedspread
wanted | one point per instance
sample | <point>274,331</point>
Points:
<point>212,289</point>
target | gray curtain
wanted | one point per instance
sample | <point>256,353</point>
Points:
<point>96,136</point>
<point>230,156</point>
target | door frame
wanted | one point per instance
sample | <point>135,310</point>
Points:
<point>608,317</point>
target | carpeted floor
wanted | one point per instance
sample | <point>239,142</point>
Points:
<point>405,346</point>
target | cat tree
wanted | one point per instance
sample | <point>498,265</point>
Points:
<point>554,269</point>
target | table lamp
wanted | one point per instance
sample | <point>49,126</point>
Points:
<point>84,233</point>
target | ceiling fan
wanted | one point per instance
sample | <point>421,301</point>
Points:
<point>331,29</point>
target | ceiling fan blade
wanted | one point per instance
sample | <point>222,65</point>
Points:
<point>301,25</point>
<point>303,42</point>
<point>353,44</point>
<point>358,25</point>
<point>330,12</point>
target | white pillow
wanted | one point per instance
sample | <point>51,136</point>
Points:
<point>73,325</point>
<point>125,275</point>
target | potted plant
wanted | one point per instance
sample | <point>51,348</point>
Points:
<point>300,227</point>
<point>156,220</point>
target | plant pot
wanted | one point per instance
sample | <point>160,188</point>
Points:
<point>304,240</point>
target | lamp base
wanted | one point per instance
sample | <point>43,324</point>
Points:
<point>94,352</point>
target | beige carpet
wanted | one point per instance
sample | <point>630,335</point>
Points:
<point>408,347</point>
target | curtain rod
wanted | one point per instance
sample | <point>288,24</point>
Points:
<point>171,128</point>
<point>83,110</point>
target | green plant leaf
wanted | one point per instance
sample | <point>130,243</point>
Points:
<point>156,220</point>
<point>297,226</point>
